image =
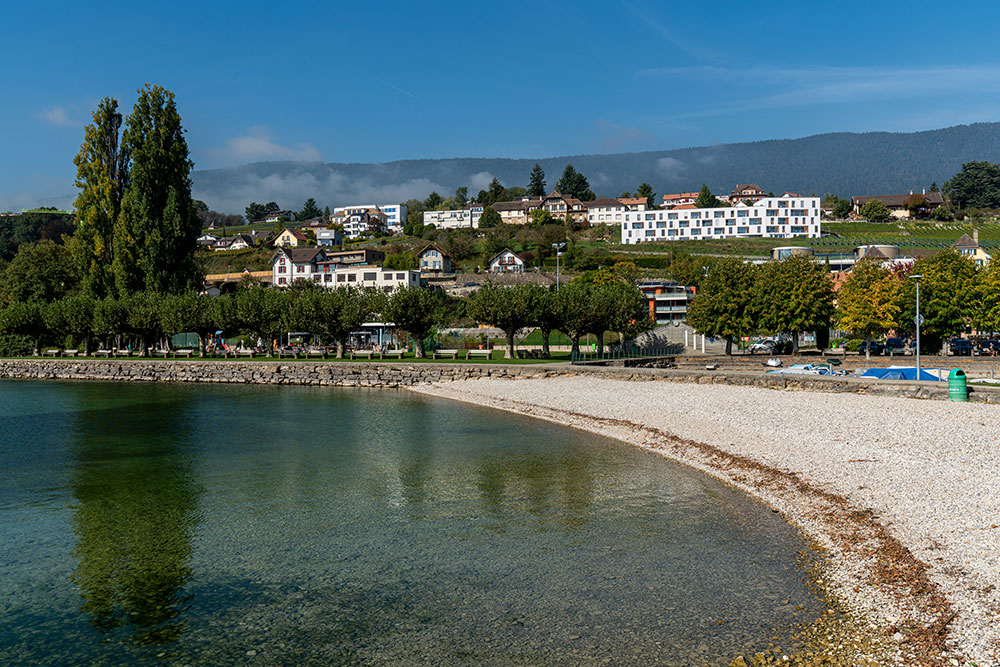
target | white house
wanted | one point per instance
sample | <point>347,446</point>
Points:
<point>360,221</point>
<point>605,210</point>
<point>290,264</point>
<point>434,260</point>
<point>395,214</point>
<point>782,217</point>
<point>278,216</point>
<point>506,261</point>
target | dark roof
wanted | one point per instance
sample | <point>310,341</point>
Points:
<point>898,200</point>
<point>506,250</point>
<point>747,186</point>
<point>965,241</point>
<point>300,255</point>
<point>602,201</point>
<point>434,246</point>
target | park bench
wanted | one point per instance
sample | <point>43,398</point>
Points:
<point>53,352</point>
<point>70,353</point>
<point>315,353</point>
<point>161,353</point>
<point>441,354</point>
<point>478,353</point>
<point>184,352</point>
<point>103,353</point>
<point>392,353</point>
<point>123,353</point>
<point>362,353</point>
<point>244,352</point>
<point>283,354</point>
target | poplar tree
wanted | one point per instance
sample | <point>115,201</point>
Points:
<point>102,174</point>
<point>156,231</point>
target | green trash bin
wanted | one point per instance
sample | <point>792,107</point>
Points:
<point>958,390</point>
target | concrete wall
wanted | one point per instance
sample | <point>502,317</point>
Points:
<point>390,374</point>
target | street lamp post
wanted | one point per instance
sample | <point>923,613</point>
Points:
<point>917,320</point>
<point>558,247</point>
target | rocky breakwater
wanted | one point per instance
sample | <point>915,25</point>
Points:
<point>340,374</point>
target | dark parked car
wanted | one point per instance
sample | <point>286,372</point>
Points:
<point>894,345</point>
<point>960,347</point>
<point>873,347</point>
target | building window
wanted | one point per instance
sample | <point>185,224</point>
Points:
<point>369,276</point>
<point>282,281</point>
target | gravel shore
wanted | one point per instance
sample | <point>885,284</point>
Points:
<point>903,493</point>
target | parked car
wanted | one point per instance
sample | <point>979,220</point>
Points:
<point>989,348</point>
<point>873,347</point>
<point>895,346</point>
<point>763,347</point>
<point>960,347</point>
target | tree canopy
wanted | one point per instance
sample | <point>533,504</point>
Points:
<point>536,183</point>
<point>724,304</point>
<point>976,186</point>
<point>706,199</point>
<point>875,211</point>
<point>574,184</point>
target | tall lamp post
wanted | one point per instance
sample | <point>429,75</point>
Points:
<point>558,247</point>
<point>917,320</point>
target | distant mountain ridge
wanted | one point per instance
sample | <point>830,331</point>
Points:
<point>843,163</point>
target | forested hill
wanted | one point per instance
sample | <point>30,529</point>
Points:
<point>841,163</point>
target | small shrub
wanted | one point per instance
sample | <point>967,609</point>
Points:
<point>853,344</point>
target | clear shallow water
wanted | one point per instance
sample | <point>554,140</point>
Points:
<point>190,524</point>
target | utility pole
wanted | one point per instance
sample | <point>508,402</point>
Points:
<point>558,247</point>
<point>917,320</point>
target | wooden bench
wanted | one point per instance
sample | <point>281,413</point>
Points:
<point>487,354</point>
<point>441,354</point>
<point>185,352</point>
<point>53,352</point>
<point>362,353</point>
<point>123,353</point>
<point>103,353</point>
<point>161,353</point>
<point>283,354</point>
<point>315,353</point>
<point>70,353</point>
<point>392,353</point>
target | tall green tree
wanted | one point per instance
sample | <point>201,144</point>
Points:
<point>868,302</point>
<point>842,209</point>
<point>260,311</point>
<point>73,315</point>
<point>793,295</point>
<point>947,295</point>
<point>155,235</point>
<point>706,199</point>
<point>976,186</point>
<point>549,316</point>
<point>40,272</point>
<point>415,311</point>
<point>102,174</point>
<point>875,211</point>
<point>25,319</point>
<point>490,218</point>
<point>574,184</point>
<point>109,320</point>
<point>143,318</point>
<point>723,307</point>
<point>309,210</point>
<point>536,182</point>
<point>986,306</point>
<point>507,307</point>
<point>579,311</point>
<point>645,191</point>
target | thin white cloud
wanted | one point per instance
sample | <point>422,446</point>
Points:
<point>290,190</point>
<point>480,181</point>
<point>57,116</point>
<point>779,88</point>
<point>662,30</point>
<point>671,168</point>
<point>257,145</point>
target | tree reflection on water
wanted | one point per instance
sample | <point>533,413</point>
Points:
<point>135,514</point>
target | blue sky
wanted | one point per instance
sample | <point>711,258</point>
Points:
<point>381,81</point>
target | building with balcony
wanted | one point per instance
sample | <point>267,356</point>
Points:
<point>668,301</point>
<point>787,216</point>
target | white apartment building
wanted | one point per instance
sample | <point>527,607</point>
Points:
<point>360,221</point>
<point>395,213</point>
<point>455,218</point>
<point>781,217</point>
<point>290,264</point>
<point>605,211</point>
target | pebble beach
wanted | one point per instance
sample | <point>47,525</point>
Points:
<point>902,494</point>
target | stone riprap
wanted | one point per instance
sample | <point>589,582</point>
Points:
<point>406,374</point>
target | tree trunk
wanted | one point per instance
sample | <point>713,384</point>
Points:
<point>511,352</point>
<point>729,345</point>
<point>600,344</point>
<point>418,347</point>
<point>340,349</point>
<point>86,346</point>
<point>38,347</point>
<point>545,341</point>
<point>795,342</point>
<point>201,346</point>
<point>575,349</point>
<point>868,349</point>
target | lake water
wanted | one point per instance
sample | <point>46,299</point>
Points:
<point>207,524</point>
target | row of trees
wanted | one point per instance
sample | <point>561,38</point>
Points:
<point>144,318</point>
<point>794,295</point>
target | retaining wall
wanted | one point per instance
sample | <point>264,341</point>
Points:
<point>390,374</point>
